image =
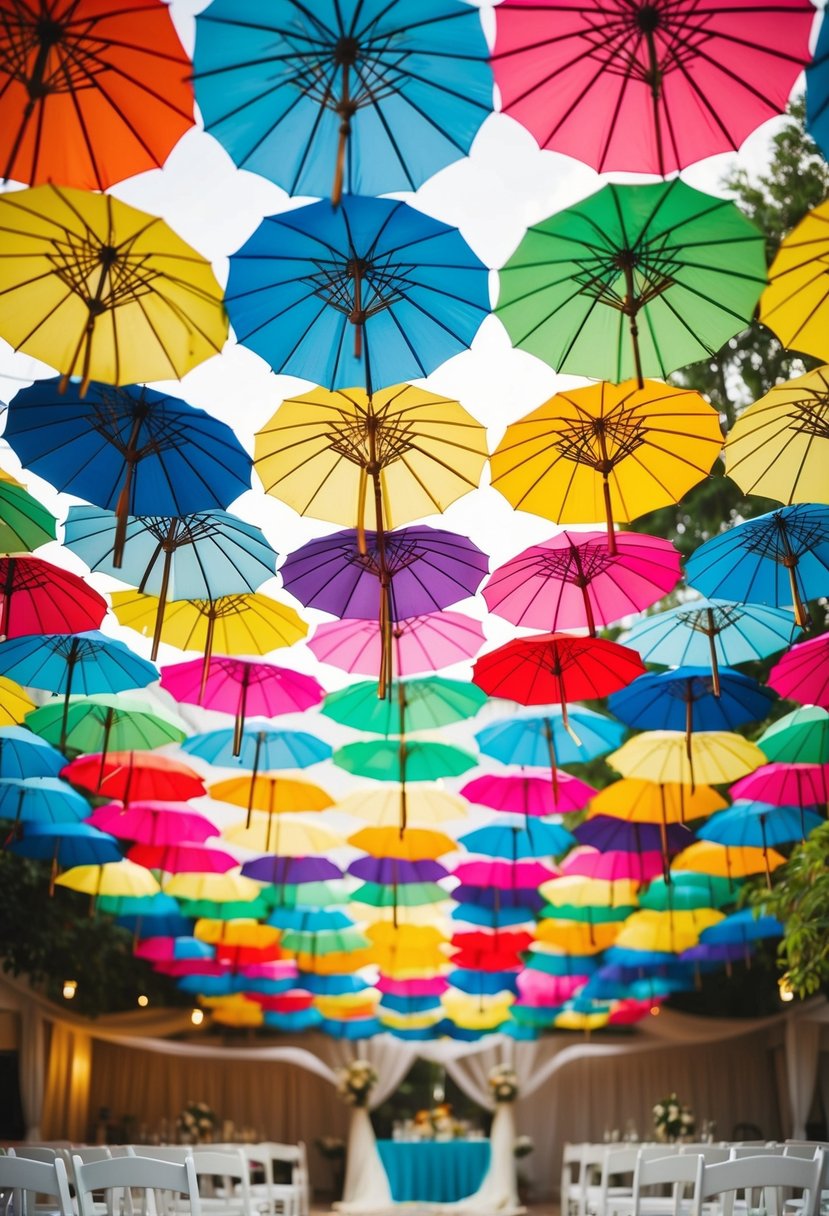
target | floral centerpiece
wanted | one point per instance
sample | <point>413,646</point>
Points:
<point>504,1083</point>
<point>196,1123</point>
<point>436,1122</point>
<point>672,1120</point>
<point>355,1082</point>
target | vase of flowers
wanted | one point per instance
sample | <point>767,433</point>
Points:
<point>196,1123</point>
<point>355,1082</point>
<point>503,1083</point>
<point>672,1120</point>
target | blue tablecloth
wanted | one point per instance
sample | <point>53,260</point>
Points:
<point>436,1171</point>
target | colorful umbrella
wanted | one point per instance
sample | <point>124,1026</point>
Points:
<point>135,777</point>
<point>795,305</point>
<point>107,720</point>
<point>689,890</point>
<point>725,861</point>
<point>609,834</point>
<point>544,742</point>
<point>369,293</point>
<point>282,835</point>
<point>715,757</point>
<point>779,446</point>
<point>401,760</point>
<point>410,705</point>
<point>760,825</point>
<point>802,674</point>
<point>424,806</point>
<point>154,823</point>
<point>25,523</point>
<point>373,98</point>
<point>633,281</point>
<point>182,858</point>
<point>94,92</point>
<point>780,559</point>
<point>666,932</point>
<point>640,801</point>
<point>572,582</point>
<point>15,705</point>
<point>102,291</point>
<point>801,737</point>
<point>23,754</point>
<point>37,597</point>
<point>65,845</point>
<point>419,643</point>
<point>512,842</point>
<point>292,871</point>
<point>40,800</point>
<point>528,796</point>
<point>650,87</point>
<point>614,865</point>
<point>271,793</point>
<point>817,92</point>
<point>786,785</point>
<point>114,878</point>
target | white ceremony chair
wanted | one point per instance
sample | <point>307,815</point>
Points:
<point>229,1164</point>
<point>571,1178</point>
<point>618,1162</point>
<point>23,1178</point>
<point>680,1172</point>
<point>767,1173</point>
<point>278,1198</point>
<point>158,1184</point>
<point>592,1163</point>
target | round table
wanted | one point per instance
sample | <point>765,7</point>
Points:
<point>435,1171</point>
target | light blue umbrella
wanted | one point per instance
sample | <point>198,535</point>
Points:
<point>817,92</point>
<point>543,741</point>
<point>263,747</point>
<point>23,754</point>
<point>66,845</point>
<point>41,800</point>
<point>743,929</point>
<point>759,825</point>
<point>516,843</point>
<point>294,1022</point>
<point>370,95</point>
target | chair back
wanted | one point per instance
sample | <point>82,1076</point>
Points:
<point>764,1172</point>
<point>23,1178</point>
<point>34,1152</point>
<point>683,1172</point>
<point>230,1165</point>
<point>158,1181</point>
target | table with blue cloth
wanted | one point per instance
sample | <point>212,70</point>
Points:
<point>435,1171</point>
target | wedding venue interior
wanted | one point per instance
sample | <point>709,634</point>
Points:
<point>414,607</point>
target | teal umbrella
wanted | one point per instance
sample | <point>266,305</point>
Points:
<point>410,705</point>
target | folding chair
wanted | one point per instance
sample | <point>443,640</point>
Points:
<point>157,1181</point>
<point>23,1178</point>
<point>768,1173</point>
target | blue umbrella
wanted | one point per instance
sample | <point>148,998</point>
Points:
<point>41,800</point>
<point>741,927</point>
<point>490,918</point>
<point>760,825</point>
<point>543,741</point>
<point>189,557</point>
<point>351,1028</point>
<point>556,962</point>
<point>372,95</point>
<point>482,983</point>
<point>292,1023</point>
<point>130,450</point>
<point>780,559</point>
<point>166,924</point>
<point>263,747</point>
<point>331,985</point>
<point>66,845</point>
<point>536,839</point>
<point>23,754</point>
<point>368,293</point>
<point>392,1003</point>
<point>309,920</point>
<point>817,92</point>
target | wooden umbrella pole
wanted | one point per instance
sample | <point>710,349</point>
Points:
<point>8,592</point>
<point>551,751</point>
<point>631,309</point>
<point>689,728</point>
<point>208,649</point>
<point>239,724</point>
<point>71,660</point>
<point>53,872</point>
<point>346,110</point>
<point>583,582</point>
<point>168,547</point>
<point>654,79</point>
<point>711,634</point>
<point>256,754</point>
<point>765,850</point>
<point>108,723</point>
<point>362,491</point>
<point>122,508</point>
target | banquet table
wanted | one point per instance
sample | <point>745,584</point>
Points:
<point>437,1171</point>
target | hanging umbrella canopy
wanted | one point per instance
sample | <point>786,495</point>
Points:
<point>801,737</point>
<point>607,452</point>
<point>410,705</point>
<point>272,793</point>
<point>153,823</point>
<point>37,597</point>
<point>727,861</point>
<point>366,98</point>
<point>25,523</point>
<point>107,720</point>
<point>817,92</point>
<point>23,754</point>
<point>716,757</point>
<point>779,446</point>
<point>418,644</point>
<point>113,878</point>
<point>633,281</point>
<point>425,806</point>
<point>528,796</point>
<point>689,890</point>
<point>135,777</point>
<point>293,871</point>
<point>544,742</point>
<point>638,801</point>
<point>95,92</point>
<point>744,926</point>
<point>614,865</point>
<point>647,87</point>
<point>216,889</point>
<point>369,293</point>
<point>609,834</point>
<point>578,937</point>
<point>256,747</point>
<point>760,824</point>
<point>15,705</point>
<point>666,932</point>
<point>501,875</point>
<point>66,845</point>
<point>182,858</point>
<point>401,760</point>
<point>511,842</point>
<point>102,291</point>
<point>284,836</point>
<point>572,582</point>
<point>802,674</point>
<point>781,559</point>
<point>414,844</point>
<point>166,949</point>
<point>40,800</point>
<point>795,305</point>
<point>594,900</point>
<point>786,785</point>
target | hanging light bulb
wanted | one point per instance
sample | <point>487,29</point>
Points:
<point>197,1017</point>
<point>785,989</point>
<point>70,987</point>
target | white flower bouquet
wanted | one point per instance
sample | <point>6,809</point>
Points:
<point>672,1120</point>
<point>196,1122</point>
<point>504,1083</point>
<point>355,1082</point>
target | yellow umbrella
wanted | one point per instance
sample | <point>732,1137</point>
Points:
<point>478,1012</point>
<point>578,937</point>
<point>349,1005</point>
<point>576,891</point>
<point>727,861</point>
<point>406,951</point>
<point>609,451</point>
<point>237,1013</point>
<point>779,447</point>
<point>283,836</point>
<point>236,933</point>
<point>337,962</point>
<point>217,888</point>
<point>271,793</point>
<point>666,932</point>
<point>414,453</point>
<point>99,290</point>
<point>425,806</point>
<point>114,878</point>
<point>717,757</point>
<point>410,1021</point>
<point>410,844</point>
<point>795,305</point>
<point>639,801</point>
<point>14,703</point>
<point>575,1019</point>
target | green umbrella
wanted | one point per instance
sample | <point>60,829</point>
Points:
<point>390,760</point>
<point>328,894</point>
<point>229,909</point>
<point>105,722</point>
<point>324,941</point>
<point>801,737</point>
<point>421,704</point>
<point>688,890</point>
<point>25,524</point>
<point>402,895</point>
<point>633,281</point>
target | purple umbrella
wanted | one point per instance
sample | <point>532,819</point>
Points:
<point>394,871</point>
<point>290,871</point>
<point>385,576</point>
<point>607,833</point>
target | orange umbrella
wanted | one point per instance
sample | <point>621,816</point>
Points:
<point>412,844</point>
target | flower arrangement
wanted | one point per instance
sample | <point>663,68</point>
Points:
<point>504,1083</point>
<point>437,1121</point>
<point>355,1082</point>
<point>196,1122</point>
<point>672,1120</point>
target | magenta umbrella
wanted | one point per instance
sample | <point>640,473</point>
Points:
<point>614,865</point>
<point>573,582</point>
<point>154,823</point>
<point>520,795</point>
<point>241,688</point>
<point>536,988</point>
<point>423,643</point>
<point>504,875</point>
<point>803,673</point>
<point>785,785</point>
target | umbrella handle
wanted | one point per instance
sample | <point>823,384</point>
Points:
<point>346,109</point>
<point>712,650</point>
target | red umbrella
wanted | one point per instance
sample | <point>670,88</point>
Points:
<point>156,823</point>
<point>138,776</point>
<point>182,858</point>
<point>37,597</point>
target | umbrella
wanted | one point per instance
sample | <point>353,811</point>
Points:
<point>182,858</point>
<point>40,800</point>
<point>370,97</point>
<point>23,754</point>
<point>107,720</point>
<point>817,92</point>
<point>780,559</point>
<point>198,556</point>
<point>94,92</point>
<point>37,597</point>
<point>282,836</point>
<point>689,890</point>
<point>512,842</point>
<point>715,757</point>
<point>399,574</point>
<point>65,845</point>
<point>571,581</point>
<point>234,686</point>
<point>760,825</point>
<point>607,452</point>
<point>153,823</point>
<point>129,450</point>
<point>410,705</point>
<point>666,932</point>
<point>578,937</point>
<point>594,900</point>
<point>100,290</point>
<point>710,632</point>
<point>529,796</point>
<point>81,663</point>
<point>15,705</point>
<point>419,643</point>
<point>633,281</point>
<point>25,523</point>
<point>640,801</point>
<point>271,792</point>
<point>802,674</point>
<point>786,785</point>
<point>801,737</point>
<point>369,293</point>
<point>292,871</point>
<point>609,834</point>
<point>413,452</point>
<point>111,879</point>
<point>795,305</point>
<point>425,806</point>
<point>649,87</point>
<point>614,865</point>
<point>727,861</point>
<point>543,742</point>
<point>135,777</point>
<point>779,446</point>
<point>744,926</point>
<point>401,760</point>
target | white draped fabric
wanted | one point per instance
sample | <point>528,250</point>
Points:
<point>366,1187</point>
<point>498,1192</point>
<point>802,1041</point>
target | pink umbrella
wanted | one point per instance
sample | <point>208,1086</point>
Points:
<point>235,686</point>
<point>157,823</point>
<point>572,582</point>
<point>803,673</point>
<point>419,644</point>
<point>613,865</point>
<point>504,875</point>
<point>626,1012</point>
<point>181,858</point>
<point>538,988</point>
<point>433,985</point>
<point>519,795</point>
<point>785,785</point>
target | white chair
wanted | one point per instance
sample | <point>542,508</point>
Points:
<point>620,1200</point>
<point>278,1198</point>
<point>34,1152</point>
<point>592,1163</point>
<point>571,1178</point>
<point>229,1164</point>
<point>23,1178</point>
<point>768,1172</point>
<point>618,1162</point>
<point>677,1171</point>
<point>157,1182</point>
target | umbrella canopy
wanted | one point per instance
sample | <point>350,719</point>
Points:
<point>646,87</point>
<point>23,754</point>
<point>182,858</point>
<point>116,878</point>
<point>410,452</point>
<point>282,835</point>
<point>422,807</point>
<point>780,559</point>
<point>107,720</point>
<point>544,742</point>
<point>802,674</point>
<point>817,92</point>
<point>795,305</point>
<point>715,757</point>
<point>760,824</point>
<point>15,705</point>
<point>271,793</point>
<point>801,737</point>
<point>40,800</point>
<point>689,890</point>
<point>37,597</point>
<point>413,844</point>
<point>153,823</point>
<point>572,582</point>
<point>419,644</point>
<point>410,705</point>
<point>614,865</point>
<point>609,834</point>
<point>608,451</point>
<point>666,932</point>
<point>366,98</point>
<point>65,845</point>
<point>528,796</point>
<point>726,861</point>
<point>779,446</point>
<point>262,747</point>
<point>639,801</point>
<point>402,760</point>
<point>25,523</point>
<point>786,785</point>
<point>747,925</point>
<point>94,92</point>
<point>135,777</point>
<point>298,870</point>
<point>513,842</point>
<point>368,293</point>
<point>685,699</point>
<point>633,281</point>
<point>102,291</point>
